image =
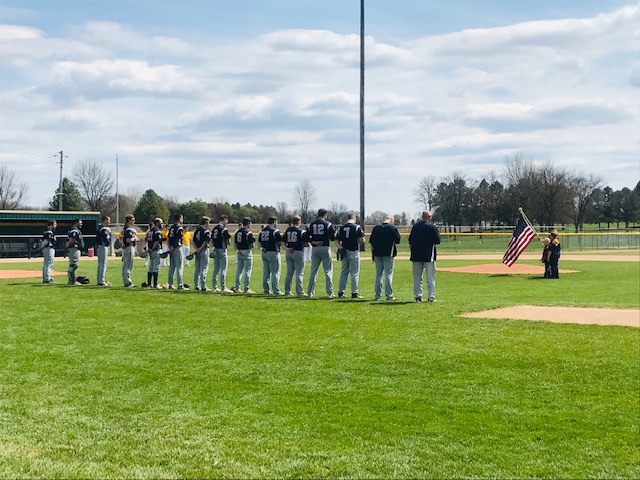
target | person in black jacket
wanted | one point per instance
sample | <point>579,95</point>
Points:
<point>384,238</point>
<point>423,239</point>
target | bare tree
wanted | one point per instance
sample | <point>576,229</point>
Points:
<point>425,192</point>
<point>304,197</point>
<point>13,192</point>
<point>282,212</point>
<point>583,188</point>
<point>95,183</point>
<point>338,213</point>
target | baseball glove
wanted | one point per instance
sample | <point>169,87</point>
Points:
<point>190,256</point>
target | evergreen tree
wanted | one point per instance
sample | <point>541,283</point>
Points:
<point>150,206</point>
<point>71,199</point>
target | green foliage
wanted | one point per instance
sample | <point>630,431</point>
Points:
<point>71,200</point>
<point>194,210</point>
<point>139,383</point>
<point>150,206</point>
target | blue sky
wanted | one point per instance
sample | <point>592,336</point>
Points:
<point>241,100</point>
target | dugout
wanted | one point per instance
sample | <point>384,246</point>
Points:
<point>21,230</point>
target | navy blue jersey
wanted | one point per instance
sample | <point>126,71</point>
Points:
<point>154,235</point>
<point>175,235</point>
<point>348,234</point>
<point>383,240</point>
<point>270,238</point>
<point>48,239</point>
<point>104,236</point>
<point>295,237</point>
<point>555,250</point>
<point>321,231</point>
<point>201,235</point>
<point>220,236</point>
<point>423,239</point>
<point>75,238</point>
<point>244,239</point>
<point>128,234</point>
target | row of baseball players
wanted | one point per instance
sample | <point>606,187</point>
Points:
<point>213,244</point>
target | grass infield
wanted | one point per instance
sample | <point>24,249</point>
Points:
<point>101,382</point>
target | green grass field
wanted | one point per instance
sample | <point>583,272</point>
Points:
<point>103,382</point>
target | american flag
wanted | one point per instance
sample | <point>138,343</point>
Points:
<point>522,236</point>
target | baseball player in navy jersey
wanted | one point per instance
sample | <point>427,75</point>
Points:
<point>319,234</point>
<point>220,239</point>
<point>48,245</point>
<point>423,239</point>
<point>294,241</point>
<point>270,239</point>
<point>176,262</point>
<point>243,241</point>
<point>104,238</point>
<point>129,241</point>
<point>201,239</point>
<point>154,246</point>
<point>75,244</point>
<point>383,240</point>
<point>349,238</point>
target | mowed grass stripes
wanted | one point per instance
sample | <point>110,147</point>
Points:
<point>103,382</point>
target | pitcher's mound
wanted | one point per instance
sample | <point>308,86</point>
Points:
<point>586,316</point>
<point>502,269</point>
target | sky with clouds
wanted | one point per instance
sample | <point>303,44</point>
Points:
<point>215,99</point>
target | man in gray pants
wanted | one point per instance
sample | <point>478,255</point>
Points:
<point>129,241</point>
<point>383,240</point>
<point>176,262</point>
<point>294,242</point>
<point>423,239</point>
<point>104,238</point>
<point>220,239</point>
<point>75,244</point>
<point>48,245</point>
<point>243,242</point>
<point>270,239</point>
<point>201,239</point>
<point>348,239</point>
<point>320,233</point>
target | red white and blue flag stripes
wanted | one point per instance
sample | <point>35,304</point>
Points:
<point>523,234</point>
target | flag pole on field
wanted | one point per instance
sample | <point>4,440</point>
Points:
<point>526,219</point>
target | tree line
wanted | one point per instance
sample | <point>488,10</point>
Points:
<point>549,194</point>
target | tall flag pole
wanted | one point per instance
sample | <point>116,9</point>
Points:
<point>362,117</point>
<point>523,234</point>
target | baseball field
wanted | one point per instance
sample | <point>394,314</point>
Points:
<point>108,382</point>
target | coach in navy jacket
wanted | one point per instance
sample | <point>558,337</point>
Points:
<point>383,240</point>
<point>423,240</point>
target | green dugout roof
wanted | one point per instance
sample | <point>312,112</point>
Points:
<point>46,215</point>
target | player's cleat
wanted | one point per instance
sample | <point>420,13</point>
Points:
<point>279,294</point>
<point>249,291</point>
<point>391,299</point>
<point>375,299</point>
<point>432,300</point>
<point>235,289</point>
<point>226,290</point>
<point>340,295</point>
<point>183,287</point>
<point>129,285</point>
<point>302,295</point>
<point>418,299</point>
<point>356,295</point>
<point>216,290</point>
<point>205,289</point>
<point>197,289</point>
<point>75,283</point>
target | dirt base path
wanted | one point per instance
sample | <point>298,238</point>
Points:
<point>25,274</point>
<point>584,316</point>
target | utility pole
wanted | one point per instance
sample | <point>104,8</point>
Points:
<point>117,195</point>
<point>60,194</point>
<point>362,117</point>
